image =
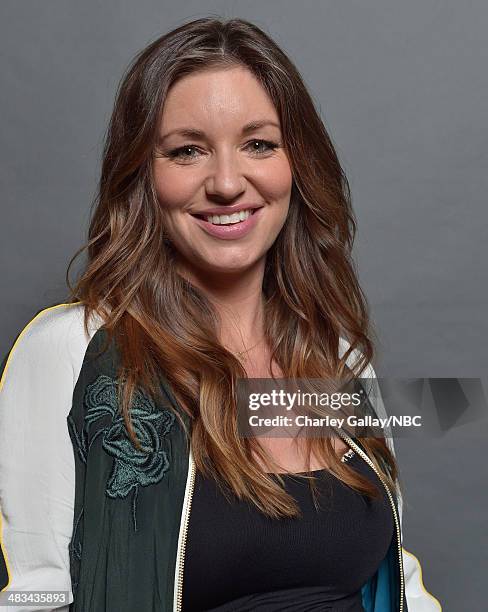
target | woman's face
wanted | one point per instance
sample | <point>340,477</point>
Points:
<point>211,161</point>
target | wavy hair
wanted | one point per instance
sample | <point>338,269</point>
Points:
<point>163,323</point>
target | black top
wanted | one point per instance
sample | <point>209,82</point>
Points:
<point>238,559</point>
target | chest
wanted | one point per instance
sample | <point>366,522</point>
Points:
<point>237,555</point>
<point>290,454</point>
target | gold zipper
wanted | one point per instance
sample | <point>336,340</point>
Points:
<point>190,486</point>
<point>351,443</point>
<point>180,556</point>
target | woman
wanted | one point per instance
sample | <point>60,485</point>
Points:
<point>219,250</point>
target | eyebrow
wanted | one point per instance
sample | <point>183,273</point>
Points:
<point>190,132</point>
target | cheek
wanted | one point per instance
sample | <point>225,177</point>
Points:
<point>275,181</point>
<point>174,187</point>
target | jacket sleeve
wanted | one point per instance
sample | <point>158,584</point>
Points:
<point>418,598</point>
<point>36,458</point>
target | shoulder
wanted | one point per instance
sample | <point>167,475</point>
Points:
<point>53,340</point>
<point>371,384</point>
<point>354,358</point>
<point>36,390</point>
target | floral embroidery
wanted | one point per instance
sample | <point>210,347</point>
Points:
<point>132,468</point>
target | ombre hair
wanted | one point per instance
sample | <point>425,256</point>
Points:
<point>164,324</point>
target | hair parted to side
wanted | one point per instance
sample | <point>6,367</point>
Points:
<point>162,323</point>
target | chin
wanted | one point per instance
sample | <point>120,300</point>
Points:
<point>230,265</point>
<point>231,268</point>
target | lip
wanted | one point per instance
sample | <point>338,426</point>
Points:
<point>230,232</point>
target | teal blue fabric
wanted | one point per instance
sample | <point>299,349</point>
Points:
<point>382,591</point>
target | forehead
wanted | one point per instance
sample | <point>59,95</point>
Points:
<point>217,97</point>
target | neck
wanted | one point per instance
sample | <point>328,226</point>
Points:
<point>239,302</point>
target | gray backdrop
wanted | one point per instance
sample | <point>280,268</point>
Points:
<point>402,87</point>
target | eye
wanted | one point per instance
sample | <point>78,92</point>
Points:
<point>187,152</point>
<point>269,146</point>
<point>181,152</point>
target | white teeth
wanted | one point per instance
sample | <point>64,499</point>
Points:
<point>228,219</point>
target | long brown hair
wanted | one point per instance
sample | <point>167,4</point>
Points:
<point>163,323</point>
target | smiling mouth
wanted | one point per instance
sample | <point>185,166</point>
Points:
<point>231,219</point>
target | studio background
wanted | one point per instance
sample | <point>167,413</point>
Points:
<point>402,88</point>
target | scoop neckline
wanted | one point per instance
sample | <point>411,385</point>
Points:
<point>351,458</point>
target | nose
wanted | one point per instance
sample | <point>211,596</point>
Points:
<point>225,179</point>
